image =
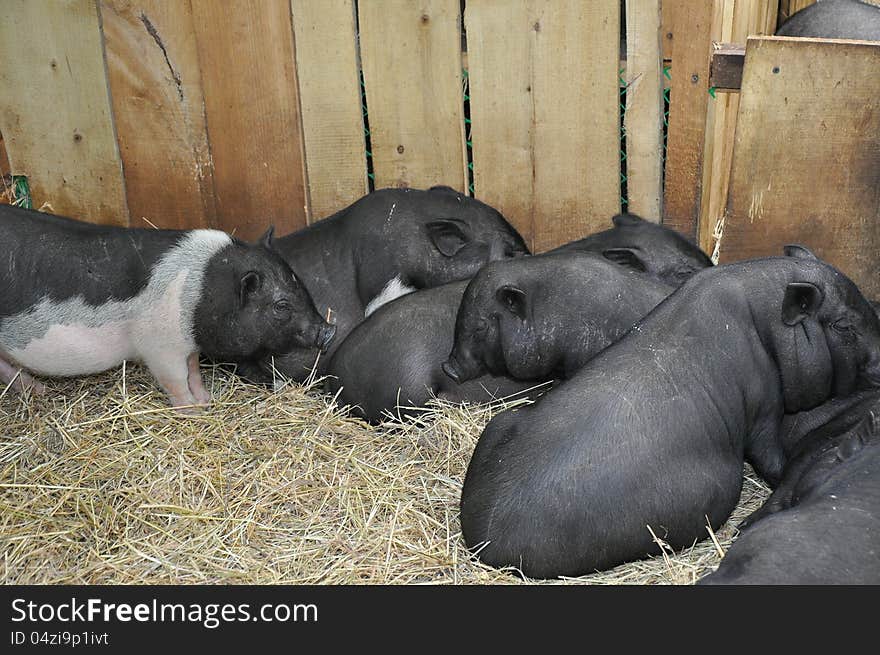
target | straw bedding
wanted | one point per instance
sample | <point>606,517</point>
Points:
<point>101,482</point>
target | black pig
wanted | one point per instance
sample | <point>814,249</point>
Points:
<point>657,251</point>
<point>386,244</point>
<point>654,430</point>
<point>835,19</point>
<point>821,525</point>
<point>390,363</point>
<point>544,317</point>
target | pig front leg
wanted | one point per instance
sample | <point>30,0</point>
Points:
<point>195,382</point>
<point>172,372</point>
<point>18,378</point>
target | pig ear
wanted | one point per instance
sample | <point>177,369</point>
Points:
<point>268,236</point>
<point>250,283</point>
<point>442,188</point>
<point>801,300</point>
<point>625,257</point>
<point>796,250</point>
<point>513,300</point>
<point>447,236</point>
<point>627,220</point>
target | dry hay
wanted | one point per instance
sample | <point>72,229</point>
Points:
<point>100,482</point>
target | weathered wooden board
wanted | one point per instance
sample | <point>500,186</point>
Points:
<point>4,158</point>
<point>643,120</point>
<point>502,109</point>
<point>668,9</point>
<point>806,164</point>
<point>248,70</point>
<point>329,88</point>
<point>687,114</point>
<point>545,114</point>
<point>155,85</point>
<point>734,22</point>
<point>411,57</point>
<point>55,108</point>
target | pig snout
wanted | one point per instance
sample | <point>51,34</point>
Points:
<point>324,336</point>
<point>460,369</point>
<point>451,370</point>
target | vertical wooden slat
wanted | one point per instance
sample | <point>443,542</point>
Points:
<point>155,84</point>
<point>411,56</point>
<point>807,171</point>
<point>545,114</point>
<point>500,72</point>
<point>738,20</point>
<point>668,9</point>
<point>5,177</point>
<point>55,108</point>
<point>687,113</point>
<point>249,78</point>
<point>329,87</point>
<point>644,109</point>
<point>4,158</point>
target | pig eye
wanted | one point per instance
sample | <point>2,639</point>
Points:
<point>843,325</point>
<point>283,306</point>
<point>684,273</point>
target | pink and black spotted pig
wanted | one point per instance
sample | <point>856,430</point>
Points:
<point>77,299</point>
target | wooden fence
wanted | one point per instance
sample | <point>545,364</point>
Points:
<point>241,113</point>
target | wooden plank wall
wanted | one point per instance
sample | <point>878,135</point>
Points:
<point>806,163</point>
<point>55,112</point>
<point>545,114</point>
<point>414,91</point>
<point>249,112</point>
<point>197,114</point>
<point>158,103</point>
